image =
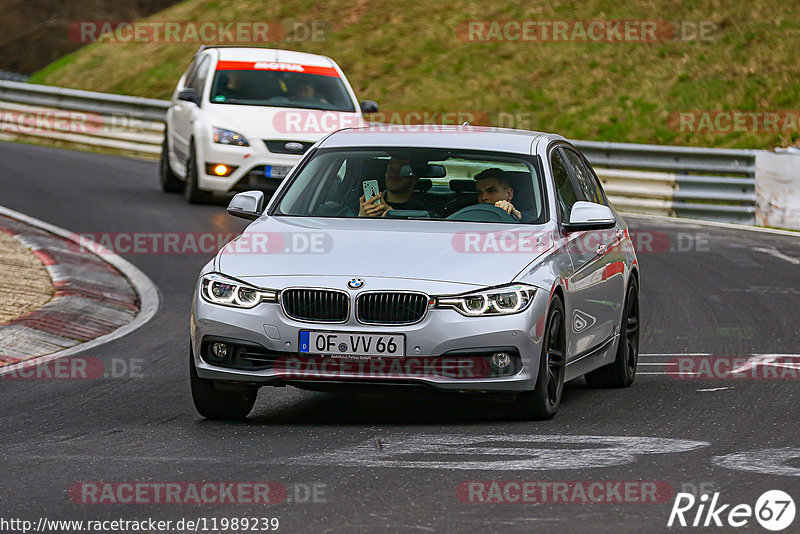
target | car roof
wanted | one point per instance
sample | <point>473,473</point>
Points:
<point>436,136</point>
<point>246,53</point>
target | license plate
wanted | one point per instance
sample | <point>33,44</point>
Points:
<point>341,343</point>
<point>276,171</point>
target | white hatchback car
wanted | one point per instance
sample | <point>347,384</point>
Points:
<point>241,117</point>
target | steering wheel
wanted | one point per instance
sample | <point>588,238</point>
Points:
<point>482,213</point>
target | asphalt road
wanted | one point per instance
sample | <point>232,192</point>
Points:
<point>730,293</point>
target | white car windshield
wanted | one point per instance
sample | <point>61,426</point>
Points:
<point>417,183</point>
<point>254,87</point>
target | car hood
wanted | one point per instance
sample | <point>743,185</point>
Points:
<point>435,251</point>
<point>263,122</point>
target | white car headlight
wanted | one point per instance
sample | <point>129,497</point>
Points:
<point>228,137</point>
<point>219,289</point>
<point>503,300</point>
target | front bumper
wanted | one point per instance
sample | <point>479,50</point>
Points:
<point>434,348</point>
<point>249,162</point>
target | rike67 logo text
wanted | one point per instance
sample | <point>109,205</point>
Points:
<point>774,510</point>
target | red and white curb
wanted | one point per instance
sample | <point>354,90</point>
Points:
<point>98,297</point>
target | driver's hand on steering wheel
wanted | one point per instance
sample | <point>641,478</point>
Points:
<point>509,208</point>
<point>374,207</point>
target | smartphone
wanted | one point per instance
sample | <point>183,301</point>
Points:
<point>370,189</point>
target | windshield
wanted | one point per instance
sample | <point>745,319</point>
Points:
<point>254,84</point>
<point>415,183</point>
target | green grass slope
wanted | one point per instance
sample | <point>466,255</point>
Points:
<point>412,56</point>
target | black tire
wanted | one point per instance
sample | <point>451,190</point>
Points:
<point>621,373</point>
<point>214,403</point>
<point>170,183</point>
<point>542,403</point>
<point>191,193</point>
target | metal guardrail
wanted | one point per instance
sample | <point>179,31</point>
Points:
<point>90,101</point>
<point>124,123</point>
<point>701,183</point>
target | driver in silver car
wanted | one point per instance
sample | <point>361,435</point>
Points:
<point>494,188</point>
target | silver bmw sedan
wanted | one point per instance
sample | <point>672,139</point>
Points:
<point>459,259</point>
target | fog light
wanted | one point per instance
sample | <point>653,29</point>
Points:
<point>220,169</point>
<point>501,360</point>
<point>219,350</point>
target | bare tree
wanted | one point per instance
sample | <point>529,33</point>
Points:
<point>34,33</point>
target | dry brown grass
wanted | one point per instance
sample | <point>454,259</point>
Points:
<point>26,284</point>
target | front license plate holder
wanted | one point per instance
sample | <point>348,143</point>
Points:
<point>351,344</point>
<point>276,171</point>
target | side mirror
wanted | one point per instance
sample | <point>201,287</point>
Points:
<point>590,216</point>
<point>368,106</point>
<point>247,205</point>
<point>189,95</point>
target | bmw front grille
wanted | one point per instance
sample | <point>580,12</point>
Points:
<point>316,305</point>
<point>391,307</point>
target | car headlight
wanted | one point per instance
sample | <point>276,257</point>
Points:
<point>227,137</point>
<point>219,289</point>
<point>503,300</point>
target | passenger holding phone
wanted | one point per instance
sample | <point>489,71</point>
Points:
<point>399,193</point>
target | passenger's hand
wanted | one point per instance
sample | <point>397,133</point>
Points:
<point>509,208</point>
<point>374,207</point>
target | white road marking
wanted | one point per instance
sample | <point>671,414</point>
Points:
<point>682,374</point>
<point>553,452</point>
<point>731,226</point>
<point>753,355</point>
<point>766,461</point>
<point>768,360</point>
<point>657,363</point>
<point>657,354</point>
<point>775,253</point>
<point>714,389</point>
